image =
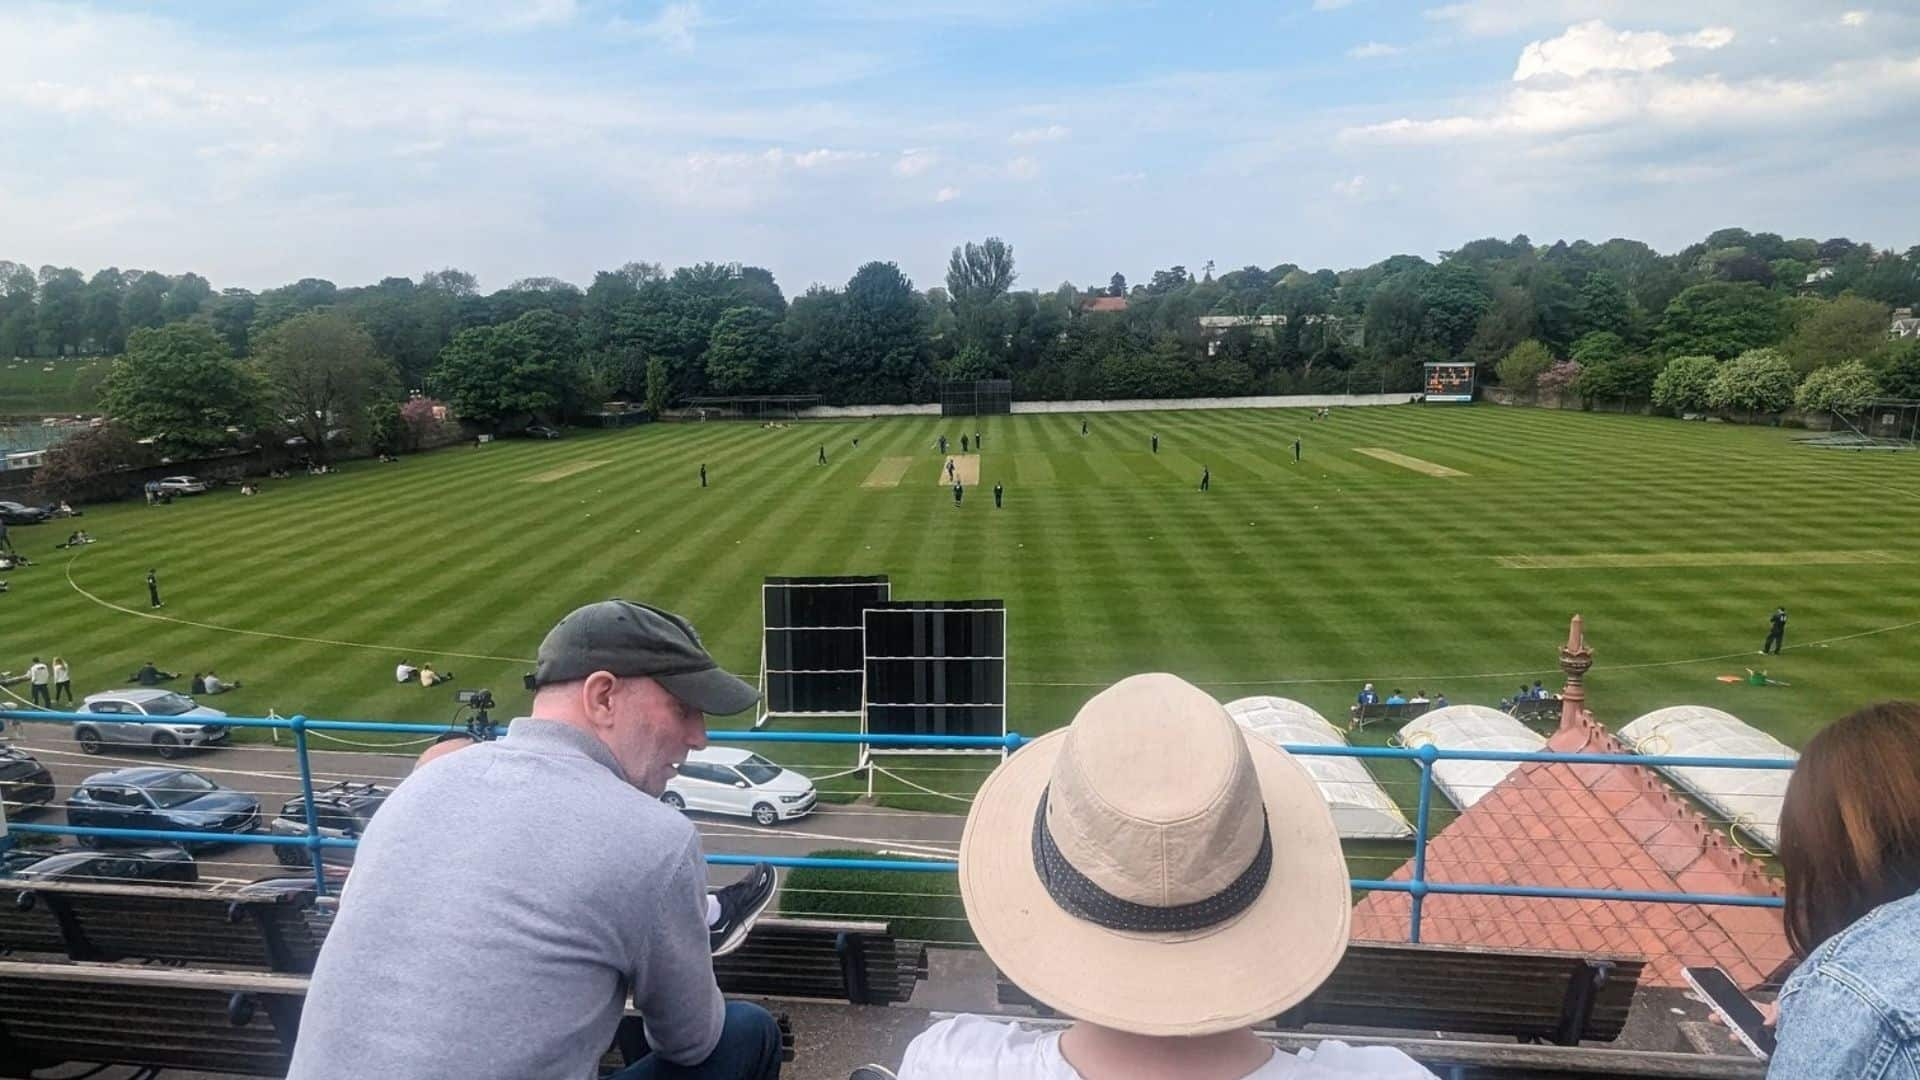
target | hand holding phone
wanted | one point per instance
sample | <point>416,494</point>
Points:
<point>1742,1017</point>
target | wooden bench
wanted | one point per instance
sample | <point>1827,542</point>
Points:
<point>838,960</point>
<point>1359,716</point>
<point>173,1018</point>
<point>1469,1060</point>
<point>1536,709</point>
<point>1562,998</point>
<point>92,921</point>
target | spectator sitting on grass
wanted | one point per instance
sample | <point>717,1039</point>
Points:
<point>1367,695</point>
<point>148,675</point>
<point>1419,698</point>
<point>1165,909</point>
<point>1396,698</point>
<point>404,672</point>
<point>217,685</point>
<point>1440,700</point>
<point>198,685</point>
<point>429,677</point>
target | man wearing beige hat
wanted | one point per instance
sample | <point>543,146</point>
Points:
<point>1166,910</point>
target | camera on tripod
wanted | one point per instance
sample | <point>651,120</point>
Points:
<point>479,725</point>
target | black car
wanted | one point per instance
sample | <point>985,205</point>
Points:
<point>161,864</point>
<point>159,798</point>
<point>24,782</point>
<point>342,811</point>
<point>541,431</point>
<point>14,513</point>
<point>293,885</point>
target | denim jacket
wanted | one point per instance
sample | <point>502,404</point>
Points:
<point>1852,1010</point>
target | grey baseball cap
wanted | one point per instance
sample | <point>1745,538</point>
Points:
<point>629,639</point>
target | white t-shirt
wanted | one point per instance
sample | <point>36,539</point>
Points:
<point>975,1048</point>
<point>402,672</point>
<point>38,674</point>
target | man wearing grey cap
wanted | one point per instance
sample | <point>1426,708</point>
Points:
<point>509,898</point>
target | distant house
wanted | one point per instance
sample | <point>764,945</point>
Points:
<point>1213,326</point>
<point>1904,324</point>
<point>1818,276</point>
<point>1098,304</point>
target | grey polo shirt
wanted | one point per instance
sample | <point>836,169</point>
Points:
<point>503,904</point>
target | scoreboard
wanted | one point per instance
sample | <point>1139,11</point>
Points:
<point>1448,381</point>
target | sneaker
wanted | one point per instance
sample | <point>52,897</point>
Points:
<point>740,905</point>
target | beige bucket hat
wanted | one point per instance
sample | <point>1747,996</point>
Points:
<point>1152,870</point>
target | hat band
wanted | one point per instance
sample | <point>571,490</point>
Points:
<point>1080,897</point>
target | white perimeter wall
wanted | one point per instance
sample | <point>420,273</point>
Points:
<point>1296,401</point>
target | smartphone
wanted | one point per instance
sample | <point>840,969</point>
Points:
<point>1725,998</point>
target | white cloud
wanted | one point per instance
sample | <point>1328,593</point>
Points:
<point>946,194</point>
<point>1853,18</point>
<point>1374,49</point>
<point>493,15</point>
<point>1330,5</point>
<point>1352,187</point>
<point>1050,133</point>
<point>673,26</point>
<point>1595,46</point>
<point>914,162</point>
<point>818,158</point>
<point>1023,168</point>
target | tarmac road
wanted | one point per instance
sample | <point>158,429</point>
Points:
<point>272,773</point>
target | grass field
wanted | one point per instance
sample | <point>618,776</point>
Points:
<point>30,387</point>
<point>1674,540</point>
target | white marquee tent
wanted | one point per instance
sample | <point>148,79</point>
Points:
<point>1470,727</point>
<point>1749,798</point>
<point>1361,808</point>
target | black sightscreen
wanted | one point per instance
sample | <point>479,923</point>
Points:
<point>812,632</point>
<point>937,667</point>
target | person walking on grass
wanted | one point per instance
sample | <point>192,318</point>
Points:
<point>41,679</point>
<point>1156,442</point>
<point>703,474</point>
<point>958,491</point>
<point>62,681</point>
<point>996,494</point>
<point>823,453</point>
<point>952,479</point>
<point>1083,428</point>
<point>5,540</point>
<point>963,444</point>
<point>1776,632</point>
<point>1296,451</point>
<point>1206,478</point>
<point>153,588</point>
<point>976,442</point>
<point>943,446</point>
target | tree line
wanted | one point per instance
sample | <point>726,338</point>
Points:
<point>1761,322</point>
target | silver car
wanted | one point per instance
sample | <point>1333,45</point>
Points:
<point>183,485</point>
<point>188,723</point>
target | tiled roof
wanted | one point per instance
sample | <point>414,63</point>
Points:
<point>1105,303</point>
<point>1593,827</point>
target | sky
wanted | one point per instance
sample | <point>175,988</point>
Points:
<point>357,139</point>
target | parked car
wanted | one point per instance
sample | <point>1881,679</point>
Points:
<point>183,485</point>
<point>14,513</point>
<point>191,723</point>
<point>727,780</point>
<point>293,884</point>
<point>541,431</point>
<point>24,782</point>
<point>342,812</point>
<point>160,864</point>
<point>152,797</point>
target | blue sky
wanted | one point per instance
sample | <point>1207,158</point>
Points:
<point>355,139</point>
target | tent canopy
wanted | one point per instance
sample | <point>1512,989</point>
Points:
<point>1749,798</point>
<point>1361,809</point>
<point>1470,727</point>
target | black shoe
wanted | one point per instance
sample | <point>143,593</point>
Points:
<point>740,905</point>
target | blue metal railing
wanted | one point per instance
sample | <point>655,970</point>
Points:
<point>1416,886</point>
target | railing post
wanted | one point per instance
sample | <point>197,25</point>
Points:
<point>299,724</point>
<point>1427,755</point>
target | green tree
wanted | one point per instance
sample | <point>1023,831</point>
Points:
<point>527,367</point>
<point>1841,387</point>
<point>100,314</point>
<point>1622,378</point>
<point>1896,365</point>
<point>99,451</point>
<point>745,352</point>
<point>230,314</point>
<point>61,314</point>
<point>178,385</point>
<point>1599,347</point>
<point>1604,307</point>
<point>1682,385</point>
<point>1521,368</point>
<point>980,273</point>
<point>145,297</point>
<point>1117,284</point>
<point>322,372</point>
<point>659,386</point>
<point>184,297</point>
<point>1721,319</point>
<point>1456,297</point>
<point>1758,380</point>
<point>1835,331</point>
<point>1560,377</point>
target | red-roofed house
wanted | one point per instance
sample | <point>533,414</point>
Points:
<point>1590,827</point>
<point>1094,305</point>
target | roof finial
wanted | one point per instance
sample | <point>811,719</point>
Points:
<point>1575,659</point>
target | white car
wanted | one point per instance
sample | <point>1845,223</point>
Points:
<point>183,485</point>
<point>189,722</point>
<point>726,780</point>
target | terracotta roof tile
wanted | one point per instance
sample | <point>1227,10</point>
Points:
<point>1589,826</point>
